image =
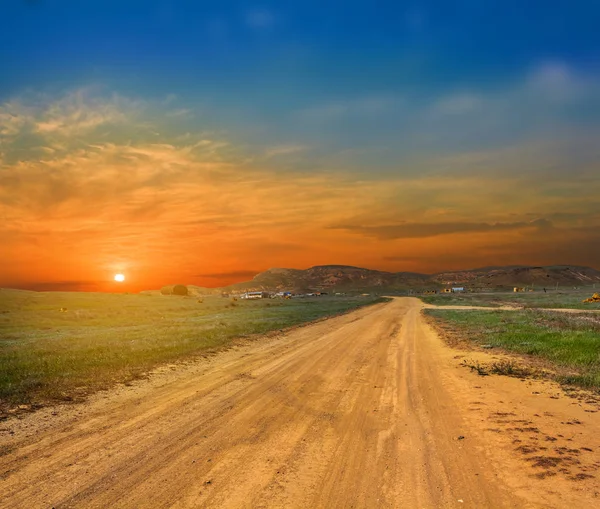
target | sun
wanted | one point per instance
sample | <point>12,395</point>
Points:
<point>119,278</point>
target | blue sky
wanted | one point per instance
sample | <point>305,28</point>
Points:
<point>338,47</point>
<point>251,64</point>
<point>479,117</point>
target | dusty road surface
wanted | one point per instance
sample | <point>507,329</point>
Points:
<point>368,409</point>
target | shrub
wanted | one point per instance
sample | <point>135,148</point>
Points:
<point>180,290</point>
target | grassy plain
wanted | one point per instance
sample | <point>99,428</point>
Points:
<point>101,339</point>
<point>552,299</point>
<point>568,343</point>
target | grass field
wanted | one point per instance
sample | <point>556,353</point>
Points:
<point>560,299</point>
<point>569,343</point>
<point>101,339</point>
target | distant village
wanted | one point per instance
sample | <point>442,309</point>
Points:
<point>274,295</point>
<point>289,294</point>
<point>462,289</point>
<point>294,295</point>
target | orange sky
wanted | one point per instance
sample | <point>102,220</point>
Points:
<point>91,187</point>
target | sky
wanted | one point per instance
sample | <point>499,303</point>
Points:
<point>203,142</point>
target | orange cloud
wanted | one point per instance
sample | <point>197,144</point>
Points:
<point>197,209</point>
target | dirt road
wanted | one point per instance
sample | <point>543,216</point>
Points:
<point>368,409</point>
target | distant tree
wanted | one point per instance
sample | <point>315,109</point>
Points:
<point>180,290</point>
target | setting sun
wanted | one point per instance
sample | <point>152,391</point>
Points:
<point>119,278</point>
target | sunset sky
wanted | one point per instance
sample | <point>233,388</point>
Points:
<point>203,142</point>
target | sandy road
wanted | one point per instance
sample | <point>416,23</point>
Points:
<point>362,410</point>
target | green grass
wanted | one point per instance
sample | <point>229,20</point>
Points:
<point>569,342</point>
<point>102,339</point>
<point>561,299</point>
<point>462,299</point>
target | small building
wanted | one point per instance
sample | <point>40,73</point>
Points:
<point>254,295</point>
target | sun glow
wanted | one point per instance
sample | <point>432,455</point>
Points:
<point>119,278</point>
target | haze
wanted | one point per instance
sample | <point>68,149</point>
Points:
<point>203,142</point>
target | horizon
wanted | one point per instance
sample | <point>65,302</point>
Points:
<point>199,142</point>
<point>127,287</point>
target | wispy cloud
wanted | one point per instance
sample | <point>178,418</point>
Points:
<point>11,122</point>
<point>422,230</point>
<point>284,150</point>
<point>457,104</point>
<point>555,81</point>
<point>550,103</point>
<point>64,286</point>
<point>361,106</point>
<point>80,112</point>
<point>545,99</point>
<point>112,195</point>
<point>180,112</point>
<point>233,274</point>
<point>51,124</point>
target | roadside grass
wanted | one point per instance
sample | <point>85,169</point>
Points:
<point>506,367</point>
<point>568,343</point>
<point>462,299</point>
<point>98,340</point>
<point>552,299</point>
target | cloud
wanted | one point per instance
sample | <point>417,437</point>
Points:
<point>77,113</point>
<point>546,85</point>
<point>550,102</point>
<point>234,274</point>
<point>284,150</point>
<point>458,104</point>
<point>368,105</point>
<point>556,82</point>
<point>542,121</point>
<point>573,247</point>
<point>180,112</point>
<point>64,286</point>
<point>134,189</point>
<point>36,121</point>
<point>11,122</point>
<point>422,230</point>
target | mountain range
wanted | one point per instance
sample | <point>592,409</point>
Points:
<point>344,278</point>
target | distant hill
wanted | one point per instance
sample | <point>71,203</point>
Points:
<point>496,277</point>
<point>344,278</point>
<point>331,277</point>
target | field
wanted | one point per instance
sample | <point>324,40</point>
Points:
<point>101,339</point>
<point>552,299</point>
<point>568,343</point>
<point>366,409</point>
